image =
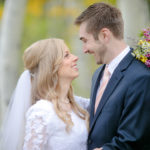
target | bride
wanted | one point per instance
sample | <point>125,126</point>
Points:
<point>43,113</point>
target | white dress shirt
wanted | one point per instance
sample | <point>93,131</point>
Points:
<point>115,62</point>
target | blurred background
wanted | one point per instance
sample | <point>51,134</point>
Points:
<point>23,22</point>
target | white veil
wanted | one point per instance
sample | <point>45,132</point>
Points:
<point>14,123</point>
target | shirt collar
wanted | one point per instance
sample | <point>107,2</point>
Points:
<point>115,62</point>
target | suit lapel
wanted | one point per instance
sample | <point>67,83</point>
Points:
<point>96,81</point>
<point>114,81</point>
<point>111,86</point>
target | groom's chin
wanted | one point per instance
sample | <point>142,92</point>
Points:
<point>98,62</point>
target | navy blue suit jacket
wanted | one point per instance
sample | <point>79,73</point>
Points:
<point>122,119</point>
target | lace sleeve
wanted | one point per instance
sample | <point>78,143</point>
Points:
<point>83,102</point>
<point>36,134</point>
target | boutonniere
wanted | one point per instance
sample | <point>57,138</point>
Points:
<point>142,50</point>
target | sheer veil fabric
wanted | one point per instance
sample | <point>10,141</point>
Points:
<point>13,127</point>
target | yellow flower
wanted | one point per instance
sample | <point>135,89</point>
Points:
<point>140,42</point>
<point>143,58</point>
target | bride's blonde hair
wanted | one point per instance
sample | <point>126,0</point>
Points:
<point>43,60</point>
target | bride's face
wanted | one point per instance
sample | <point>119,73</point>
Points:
<point>68,68</point>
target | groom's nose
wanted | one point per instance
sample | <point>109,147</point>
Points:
<point>85,50</point>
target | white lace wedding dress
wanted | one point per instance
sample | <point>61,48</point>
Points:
<point>46,131</point>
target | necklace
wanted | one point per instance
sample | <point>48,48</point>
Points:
<point>66,101</point>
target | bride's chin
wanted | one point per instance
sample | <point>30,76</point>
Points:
<point>75,76</point>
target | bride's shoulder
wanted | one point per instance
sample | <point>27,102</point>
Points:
<point>41,106</point>
<point>42,103</point>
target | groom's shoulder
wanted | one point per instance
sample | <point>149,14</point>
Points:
<point>137,68</point>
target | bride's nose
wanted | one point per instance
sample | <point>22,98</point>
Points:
<point>75,58</point>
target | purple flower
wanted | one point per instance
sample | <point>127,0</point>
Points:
<point>147,63</point>
<point>148,40</point>
<point>147,55</point>
<point>146,34</point>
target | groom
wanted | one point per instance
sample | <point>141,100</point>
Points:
<point>120,92</point>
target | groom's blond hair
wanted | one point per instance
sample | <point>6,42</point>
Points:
<point>102,15</point>
<point>43,60</point>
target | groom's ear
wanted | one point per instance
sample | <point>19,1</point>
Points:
<point>104,35</point>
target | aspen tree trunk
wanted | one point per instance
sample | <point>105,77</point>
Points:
<point>10,39</point>
<point>136,17</point>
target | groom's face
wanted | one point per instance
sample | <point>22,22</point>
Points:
<point>91,45</point>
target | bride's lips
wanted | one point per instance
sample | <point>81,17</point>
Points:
<point>75,67</point>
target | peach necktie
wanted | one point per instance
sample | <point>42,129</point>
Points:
<point>105,79</point>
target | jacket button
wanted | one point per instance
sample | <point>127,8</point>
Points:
<point>89,141</point>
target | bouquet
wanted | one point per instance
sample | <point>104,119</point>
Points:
<point>142,50</point>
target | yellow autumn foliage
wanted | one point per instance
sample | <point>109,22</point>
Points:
<point>1,11</point>
<point>35,7</point>
<point>61,11</point>
<point>89,2</point>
